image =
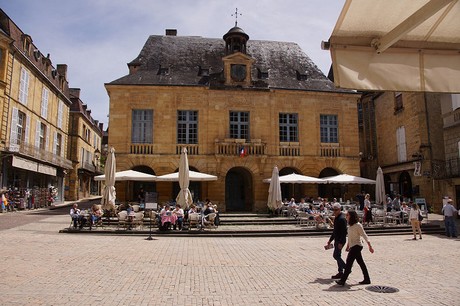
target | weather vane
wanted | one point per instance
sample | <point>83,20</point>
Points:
<point>236,16</point>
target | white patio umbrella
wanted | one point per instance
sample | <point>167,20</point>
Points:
<point>184,198</point>
<point>347,179</point>
<point>129,175</point>
<point>274,191</point>
<point>109,194</point>
<point>380,189</point>
<point>295,178</point>
<point>193,176</point>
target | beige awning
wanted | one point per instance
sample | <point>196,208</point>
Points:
<point>397,45</point>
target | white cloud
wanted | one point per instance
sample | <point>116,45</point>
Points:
<point>96,38</point>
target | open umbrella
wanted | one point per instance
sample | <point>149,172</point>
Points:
<point>129,175</point>
<point>109,194</point>
<point>380,189</point>
<point>192,175</point>
<point>295,178</point>
<point>274,191</point>
<point>347,179</point>
<point>184,198</point>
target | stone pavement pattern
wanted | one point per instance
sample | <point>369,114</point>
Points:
<point>42,267</point>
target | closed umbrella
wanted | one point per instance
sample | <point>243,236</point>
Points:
<point>380,189</point>
<point>274,191</point>
<point>109,194</point>
<point>184,198</point>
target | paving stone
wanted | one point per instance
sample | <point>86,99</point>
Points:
<point>42,267</point>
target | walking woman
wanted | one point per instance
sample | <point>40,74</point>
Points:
<point>354,247</point>
<point>414,221</point>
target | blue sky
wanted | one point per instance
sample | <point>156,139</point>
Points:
<point>96,38</point>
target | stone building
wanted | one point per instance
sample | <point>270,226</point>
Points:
<point>450,106</point>
<point>85,138</point>
<point>34,112</point>
<point>403,134</point>
<point>240,107</point>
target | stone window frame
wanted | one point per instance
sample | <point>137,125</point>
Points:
<point>288,127</point>
<point>187,126</point>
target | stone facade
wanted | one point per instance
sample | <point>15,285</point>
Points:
<point>239,164</point>
<point>84,150</point>
<point>34,115</point>
<point>451,121</point>
<point>409,132</point>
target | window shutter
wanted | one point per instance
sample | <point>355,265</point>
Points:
<point>26,136</point>
<point>44,109</point>
<point>47,138</point>
<point>59,119</point>
<point>37,134</point>
<point>24,86</point>
<point>14,130</point>
<point>54,142</point>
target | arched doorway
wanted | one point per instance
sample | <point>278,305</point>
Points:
<point>289,191</point>
<point>330,190</point>
<point>405,185</point>
<point>238,190</point>
<point>194,187</point>
<point>147,186</point>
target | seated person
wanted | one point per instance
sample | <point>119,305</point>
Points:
<point>209,209</point>
<point>167,217</point>
<point>96,213</point>
<point>179,212</point>
<point>321,217</point>
<point>77,217</point>
<point>292,203</point>
<point>192,209</point>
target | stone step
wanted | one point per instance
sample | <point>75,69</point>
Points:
<point>255,231</point>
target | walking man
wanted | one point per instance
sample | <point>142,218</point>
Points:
<point>449,222</point>
<point>339,236</point>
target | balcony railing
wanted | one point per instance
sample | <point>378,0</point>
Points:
<point>88,166</point>
<point>40,154</point>
<point>239,147</point>
<point>141,148</point>
<point>329,150</point>
<point>289,149</point>
<point>453,167</point>
<point>192,149</point>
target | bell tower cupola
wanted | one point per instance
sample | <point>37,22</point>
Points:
<point>235,38</point>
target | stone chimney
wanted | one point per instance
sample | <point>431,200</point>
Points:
<point>75,92</point>
<point>171,32</point>
<point>62,70</point>
<point>101,126</point>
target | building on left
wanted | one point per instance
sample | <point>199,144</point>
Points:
<point>34,112</point>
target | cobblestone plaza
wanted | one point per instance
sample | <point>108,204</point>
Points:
<point>43,267</point>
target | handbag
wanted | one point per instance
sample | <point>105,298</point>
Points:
<point>420,217</point>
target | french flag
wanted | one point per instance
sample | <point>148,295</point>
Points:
<point>243,152</point>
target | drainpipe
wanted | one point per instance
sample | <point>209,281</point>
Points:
<point>430,148</point>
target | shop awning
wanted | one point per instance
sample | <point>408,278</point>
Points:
<point>29,165</point>
<point>25,164</point>
<point>397,45</point>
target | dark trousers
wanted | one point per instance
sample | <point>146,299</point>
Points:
<point>451,227</point>
<point>355,254</point>
<point>338,257</point>
<point>179,222</point>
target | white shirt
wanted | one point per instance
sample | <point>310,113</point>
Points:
<point>355,232</point>
<point>413,214</point>
<point>449,210</point>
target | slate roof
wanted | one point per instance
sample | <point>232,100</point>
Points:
<point>287,65</point>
